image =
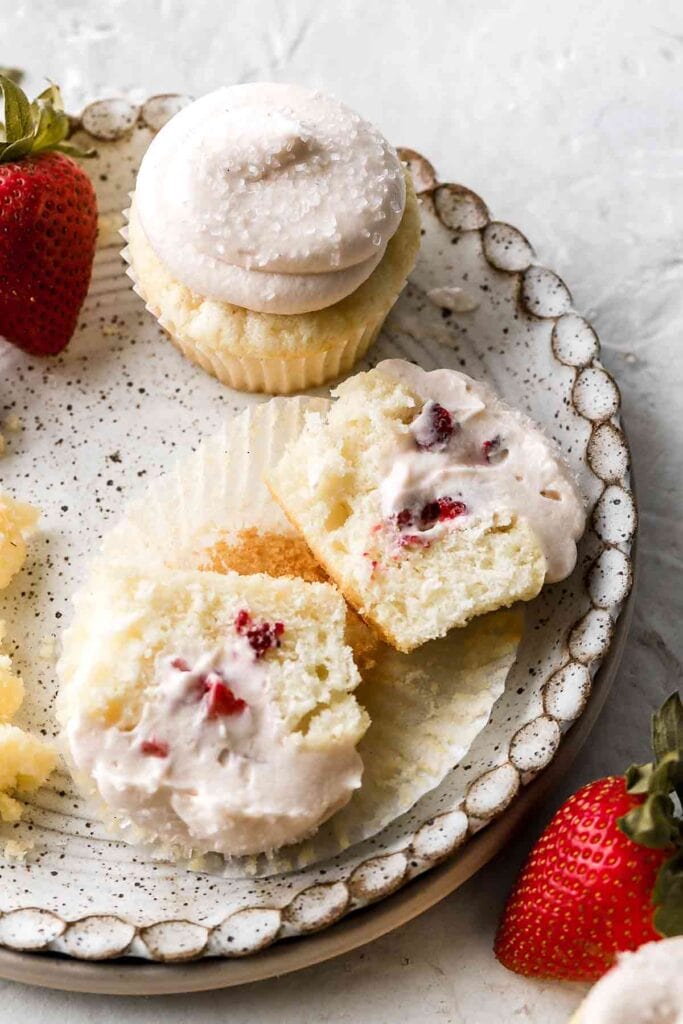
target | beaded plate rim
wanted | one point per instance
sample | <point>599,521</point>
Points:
<point>594,641</point>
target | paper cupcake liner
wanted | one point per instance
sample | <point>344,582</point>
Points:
<point>426,708</point>
<point>273,376</point>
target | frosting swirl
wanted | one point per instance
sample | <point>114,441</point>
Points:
<point>272,197</point>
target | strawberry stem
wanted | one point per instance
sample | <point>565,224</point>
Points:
<point>657,822</point>
<point>31,128</point>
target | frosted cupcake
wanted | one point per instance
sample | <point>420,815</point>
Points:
<point>645,987</point>
<point>271,231</point>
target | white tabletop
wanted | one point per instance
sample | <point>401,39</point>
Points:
<point>567,119</point>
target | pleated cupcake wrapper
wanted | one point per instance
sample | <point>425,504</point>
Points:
<point>426,708</point>
<point>271,376</point>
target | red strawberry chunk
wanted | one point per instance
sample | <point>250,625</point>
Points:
<point>154,748</point>
<point>242,621</point>
<point>441,510</point>
<point>404,518</point>
<point>262,636</point>
<point>450,509</point>
<point>434,427</point>
<point>221,701</point>
<point>180,664</point>
<point>493,450</point>
<point>412,540</point>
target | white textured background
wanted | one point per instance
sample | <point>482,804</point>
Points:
<point>568,120</point>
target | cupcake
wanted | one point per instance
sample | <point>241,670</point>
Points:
<point>428,501</point>
<point>645,987</point>
<point>270,232</point>
<point>209,712</point>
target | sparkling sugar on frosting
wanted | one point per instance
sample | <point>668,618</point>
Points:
<point>272,197</point>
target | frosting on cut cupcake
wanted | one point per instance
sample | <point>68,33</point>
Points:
<point>467,457</point>
<point>645,987</point>
<point>272,197</point>
<point>209,765</point>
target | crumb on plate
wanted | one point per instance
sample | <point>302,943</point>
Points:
<point>17,522</point>
<point>13,423</point>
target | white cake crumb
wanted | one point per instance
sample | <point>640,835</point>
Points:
<point>47,651</point>
<point>13,423</point>
<point>17,523</point>
<point>456,299</point>
<point>26,761</point>
<point>17,850</point>
<point>108,229</point>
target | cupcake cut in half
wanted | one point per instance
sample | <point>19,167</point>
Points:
<point>428,500</point>
<point>271,231</point>
<point>212,713</point>
<point>213,512</point>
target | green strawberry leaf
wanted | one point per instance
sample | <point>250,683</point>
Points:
<point>652,823</point>
<point>14,74</point>
<point>668,897</point>
<point>638,778</point>
<point>667,727</point>
<point>71,149</point>
<point>51,126</point>
<point>34,127</point>
<point>667,738</point>
<point>656,823</point>
<point>18,123</point>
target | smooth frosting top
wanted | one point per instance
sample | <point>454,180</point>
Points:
<point>270,196</point>
<point>645,987</point>
<point>468,445</point>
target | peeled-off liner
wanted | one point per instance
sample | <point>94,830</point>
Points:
<point>427,707</point>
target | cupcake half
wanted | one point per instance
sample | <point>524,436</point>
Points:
<point>211,713</point>
<point>428,501</point>
<point>271,231</point>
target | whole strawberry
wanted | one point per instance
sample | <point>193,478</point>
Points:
<point>48,223</point>
<point>607,874</point>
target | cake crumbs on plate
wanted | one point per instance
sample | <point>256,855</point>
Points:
<point>16,849</point>
<point>26,761</point>
<point>13,423</point>
<point>47,649</point>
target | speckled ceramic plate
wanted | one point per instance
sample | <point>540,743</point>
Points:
<point>119,406</point>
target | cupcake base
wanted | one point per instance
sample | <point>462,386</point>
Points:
<point>271,376</point>
<point>267,352</point>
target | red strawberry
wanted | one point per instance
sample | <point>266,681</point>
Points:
<point>154,748</point>
<point>607,873</point>
<point>48,224</point>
